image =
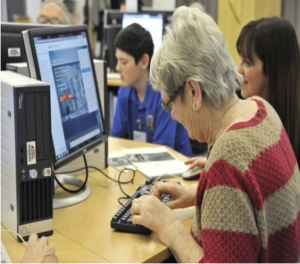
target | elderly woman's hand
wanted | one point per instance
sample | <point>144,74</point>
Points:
<point>150,212</point>
<point>182,196</point>
<point>196,161</point>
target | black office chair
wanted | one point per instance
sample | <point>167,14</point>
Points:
<point>199,149</point>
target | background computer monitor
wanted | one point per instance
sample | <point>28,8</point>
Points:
<point>153,22</point>
<point>61,57</point>
<point>112,17</point>
<point>111,23</point>
<point>115,20</point>
<point>167,17</point>
<point>12,46</point>
<point>111,33</point>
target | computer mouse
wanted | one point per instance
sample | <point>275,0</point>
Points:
<point>192,174</point>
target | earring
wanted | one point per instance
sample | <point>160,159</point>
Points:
<point>195,106</point>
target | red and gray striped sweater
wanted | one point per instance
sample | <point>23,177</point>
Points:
<point>248,196</point>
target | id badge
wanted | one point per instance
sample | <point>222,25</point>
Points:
<point>139,136</point>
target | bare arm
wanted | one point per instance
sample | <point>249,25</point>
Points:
<point>150,212</point>
<point>184,248</point>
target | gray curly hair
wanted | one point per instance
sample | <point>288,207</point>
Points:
<point>195,46</point>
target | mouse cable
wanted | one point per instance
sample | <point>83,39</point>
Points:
<point>12,231</point>
<point>84,183</point>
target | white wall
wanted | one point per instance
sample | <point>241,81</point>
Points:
<point>32,9</point>
<point>164,5</point>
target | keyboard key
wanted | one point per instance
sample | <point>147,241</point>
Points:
<point>122,220</point>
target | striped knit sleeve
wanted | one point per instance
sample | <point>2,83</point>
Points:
<point>248,197</point>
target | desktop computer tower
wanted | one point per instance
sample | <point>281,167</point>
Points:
<point>26,160</point>
<point>96,157</point>
<point>18,67</point>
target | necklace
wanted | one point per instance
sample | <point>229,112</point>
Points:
<point>217,131</point>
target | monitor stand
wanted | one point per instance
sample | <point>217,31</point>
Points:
<point>77,197</point>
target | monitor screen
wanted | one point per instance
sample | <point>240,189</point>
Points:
<point>61,57</point>
<point>154,23</point>
<point>12,46</point>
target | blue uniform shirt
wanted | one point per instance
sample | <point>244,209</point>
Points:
<point>148,117</point>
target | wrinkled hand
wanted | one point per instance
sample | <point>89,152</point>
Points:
<point>39,251</point>
<point>196,161</point>
<point>150,212</point>
<point>182,196</point>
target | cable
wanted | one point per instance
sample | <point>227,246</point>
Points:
<point>11,231</point>
<point>112,180</point>
<point>95,168</point>
<point>83,185</point>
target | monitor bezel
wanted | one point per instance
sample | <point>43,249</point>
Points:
<point>43,32</point>
<point>13,32</point>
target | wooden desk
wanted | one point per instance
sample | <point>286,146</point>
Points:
<point>82,232</point>
<point>66,249</point>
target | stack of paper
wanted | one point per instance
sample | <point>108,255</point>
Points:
<point>152,162</point>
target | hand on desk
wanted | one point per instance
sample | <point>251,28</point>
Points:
<point>196,162</point>
<point>39,251</point>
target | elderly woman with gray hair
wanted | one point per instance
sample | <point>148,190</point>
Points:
<point>247,206</point>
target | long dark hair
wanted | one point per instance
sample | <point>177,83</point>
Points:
<point>274,41</point>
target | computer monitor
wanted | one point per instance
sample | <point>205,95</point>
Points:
<point>12,46</point>
<point>153,22</point>
<point>61,57</point>
<point>167,17</point>
<point>111,33</point>
<point>112,17</point>
<point>111,24</point>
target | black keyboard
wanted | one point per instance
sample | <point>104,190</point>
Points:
<point>122,220</point>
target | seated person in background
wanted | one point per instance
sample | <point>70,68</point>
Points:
<point>138,114</point>
<point>53,12</point>
<point>39,251</point>
<point>247,206</point>
<point>75,11</point>
<point>270,67</point>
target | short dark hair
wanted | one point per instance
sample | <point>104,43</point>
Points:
<point>136,41</point>
<point>274,41</point>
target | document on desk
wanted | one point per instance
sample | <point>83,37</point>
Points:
<point>154,162</point>
<point>120,161</point>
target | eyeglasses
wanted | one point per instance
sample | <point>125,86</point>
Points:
<point>45,20</point>
<point>167,106</point>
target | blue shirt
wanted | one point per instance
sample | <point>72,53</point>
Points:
<point>149,117</point>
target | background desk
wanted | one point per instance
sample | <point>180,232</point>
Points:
<point>113,80</point>
<point>82,232</point>
<point>113,84</point>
